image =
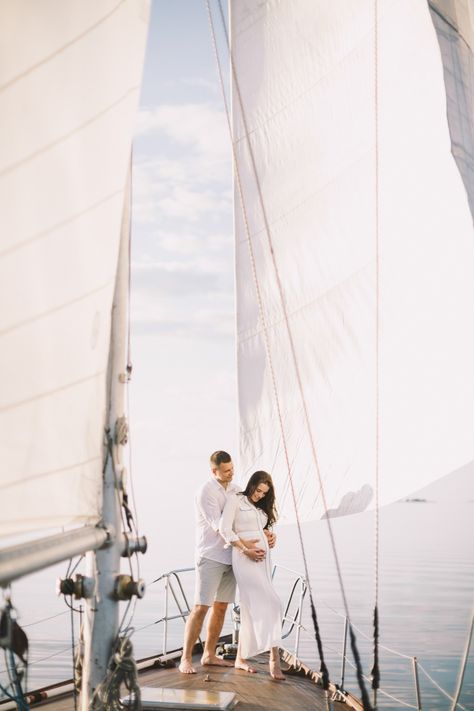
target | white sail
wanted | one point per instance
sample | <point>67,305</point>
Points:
<point>392,392</point>
<point>69,86</point>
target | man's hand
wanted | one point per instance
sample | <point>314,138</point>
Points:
<point>271,537</point>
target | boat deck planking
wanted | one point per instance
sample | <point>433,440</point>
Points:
<point>255,692</point>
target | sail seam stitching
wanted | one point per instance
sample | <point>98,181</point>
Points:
<point>55,391</point>
<point>66,136</point>
<point>55,309</point>
<point>50,472</point>
<point>64,47</point>
<point>58,225</point>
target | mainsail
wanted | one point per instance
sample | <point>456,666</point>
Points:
<point>354,246</point>
<point>69,86</point>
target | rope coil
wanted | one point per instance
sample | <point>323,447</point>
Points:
<point>122,670</point>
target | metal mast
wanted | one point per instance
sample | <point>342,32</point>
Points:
<point>103,566</point>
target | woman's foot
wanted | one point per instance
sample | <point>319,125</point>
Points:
<point>242,664</point>
<point>275,670</point>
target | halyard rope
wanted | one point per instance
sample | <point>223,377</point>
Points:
<point>375,672</point>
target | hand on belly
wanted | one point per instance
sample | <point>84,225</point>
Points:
<point>255,543</point>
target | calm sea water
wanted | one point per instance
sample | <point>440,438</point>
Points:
<point>426,584</point>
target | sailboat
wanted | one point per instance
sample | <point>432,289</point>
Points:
<point>352,137</point>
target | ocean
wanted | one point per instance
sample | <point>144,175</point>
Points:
<point>426,585</point>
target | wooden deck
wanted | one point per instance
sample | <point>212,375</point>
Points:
<point>255,692</point>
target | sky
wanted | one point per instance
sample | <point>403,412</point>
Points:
<point>183,395</point>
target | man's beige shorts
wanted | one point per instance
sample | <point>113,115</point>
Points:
<point>215,582</point>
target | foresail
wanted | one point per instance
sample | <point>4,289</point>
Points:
<point>69,85</point>
<point>355,276</point>
<point>454,24</point>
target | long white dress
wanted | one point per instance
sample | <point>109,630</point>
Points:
<point>260,607</point>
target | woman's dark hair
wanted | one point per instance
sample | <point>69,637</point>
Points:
<point>267,503</point>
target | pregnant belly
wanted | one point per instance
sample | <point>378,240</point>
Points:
<point>253,535</point>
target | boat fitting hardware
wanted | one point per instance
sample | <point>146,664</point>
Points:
<point>80,586</point>
<point>125,378</point>
<point>5,628</point>
<point>339,695</point>
<point>126,587</point>
<point>134,545</point>
<point>121,430</point>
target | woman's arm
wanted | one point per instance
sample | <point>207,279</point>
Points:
<point>226,523</point>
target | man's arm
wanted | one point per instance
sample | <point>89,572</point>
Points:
<point>209,508</point>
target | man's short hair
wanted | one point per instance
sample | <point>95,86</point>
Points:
<point>220,457</point>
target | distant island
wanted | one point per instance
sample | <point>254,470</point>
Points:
<point>413,501</point>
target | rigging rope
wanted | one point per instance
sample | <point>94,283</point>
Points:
<point>375,672</point>
<point>440,688</point>
<point>365,699</point>
<point>73,650</point>
<point>45,619</point>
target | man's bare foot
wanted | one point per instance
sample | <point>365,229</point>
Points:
<point>215,661</point>
<point>242,664</point>
<point>186,667</point>
<point>276,672</point>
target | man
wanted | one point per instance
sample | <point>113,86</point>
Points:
<point>215,582</point>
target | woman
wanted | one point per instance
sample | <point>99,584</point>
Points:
<point>244,518</point>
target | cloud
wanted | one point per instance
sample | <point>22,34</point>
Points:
<point>201,128</point>
<point>178,278</point>
<point>191,205</point>
<point>188,245</point>
<point>206,324</point>
<point>182,214</point>
<point>182,164</point>
<point>180,297</point>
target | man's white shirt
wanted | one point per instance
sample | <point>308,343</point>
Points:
<point>210,501</point>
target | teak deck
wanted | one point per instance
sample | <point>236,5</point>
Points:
<point>255,692</point>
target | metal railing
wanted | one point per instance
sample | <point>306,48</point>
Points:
<point>173,589</point>
<point>299,587</point>
<point>292,621</point>
<point>416,666</point>
<point>182,605</point>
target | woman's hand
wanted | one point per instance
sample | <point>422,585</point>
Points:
<point>248,546</point>
<point>256,554</point>
<point>271,537</point>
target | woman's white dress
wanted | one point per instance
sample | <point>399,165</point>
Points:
<point>260,608</point>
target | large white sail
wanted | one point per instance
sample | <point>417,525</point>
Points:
<point>69,86</point>
<point>372,236</point>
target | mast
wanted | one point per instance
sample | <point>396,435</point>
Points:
<point>103,566</point>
